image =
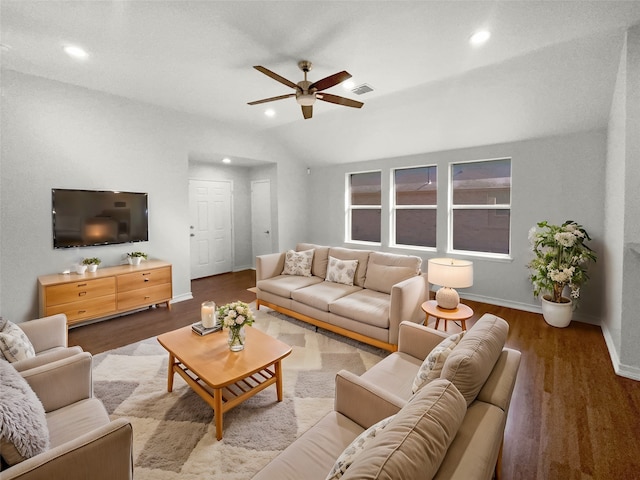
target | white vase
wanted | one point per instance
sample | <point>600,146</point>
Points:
<point>134,260</point>
<point>557,314</point>
<point>92,268</point>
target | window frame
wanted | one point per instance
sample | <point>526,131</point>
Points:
<point>349,208</point>
<point>393,208</point>
<point>451,207</point>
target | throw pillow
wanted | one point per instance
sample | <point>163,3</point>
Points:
<point>341,271</point>
<point>23,425</point>
<point>358,445</point>
<point>14,343</point>
<point>432,365</point>
<point>298,263</point>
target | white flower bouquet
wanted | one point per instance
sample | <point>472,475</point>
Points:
<point>235,316</point>
<point>561,259</point>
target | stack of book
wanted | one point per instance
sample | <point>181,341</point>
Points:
<point>201,330</point>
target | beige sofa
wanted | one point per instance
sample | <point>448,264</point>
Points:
<point>387,289</point>
<point>452,428</point>
<point>83,442</point>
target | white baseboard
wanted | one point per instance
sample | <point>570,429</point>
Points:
<point>241,268</point>
<point>183,297</point>
<point>627,371</point>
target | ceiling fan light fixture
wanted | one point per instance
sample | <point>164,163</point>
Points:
<point>306,99</point>
<point>480,38</point>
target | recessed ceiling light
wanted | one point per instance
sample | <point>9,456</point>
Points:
<point>226,160</point>
<point>479,38</point>
<point>76,52</point>
<point>348,85</point>
<point>270,113</point>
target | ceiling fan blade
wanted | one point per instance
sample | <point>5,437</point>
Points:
<point>276,77</point>
<point>330,81</point>
<point>307,111</point>
<point>347,102</point>
<point>272,99</point>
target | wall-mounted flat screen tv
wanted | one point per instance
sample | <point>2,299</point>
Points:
<point>83,218</point>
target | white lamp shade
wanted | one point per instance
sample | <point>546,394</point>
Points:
<point>450,272</point>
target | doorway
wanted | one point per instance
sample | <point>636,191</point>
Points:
<point>211,227</point>
<point>261,233</point>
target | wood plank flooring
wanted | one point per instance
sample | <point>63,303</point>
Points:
<point>571,416</point>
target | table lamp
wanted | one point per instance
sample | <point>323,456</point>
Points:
<point>449,273</point>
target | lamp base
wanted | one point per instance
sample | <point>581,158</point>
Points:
<point>447,298</point>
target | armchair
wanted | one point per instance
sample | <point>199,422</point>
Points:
<point>48,335</point>
<point>83,441</point>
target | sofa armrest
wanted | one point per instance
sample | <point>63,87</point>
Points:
<point>498,388</point>
<point>269,266</point>
<point>102,454</point>
<point>62,382</point>
<point>406,298</point>
<point>362,401</point>
<point>46,357</point>
<point>417,340</point>
<point>46,332</point>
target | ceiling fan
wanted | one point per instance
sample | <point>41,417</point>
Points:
<point>307,92</point>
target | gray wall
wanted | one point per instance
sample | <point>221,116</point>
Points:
<point>57,135</point>
<point>554,179</point>
<point>622,255</point>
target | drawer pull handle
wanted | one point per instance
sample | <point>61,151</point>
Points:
<point>81,312</point>
<point>147,297</point>
<point>82,294</point>
<point>81,285</point>
<point>146,279</point>
<point>145,274</point>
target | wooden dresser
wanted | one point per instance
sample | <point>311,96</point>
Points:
<point>108,291</point>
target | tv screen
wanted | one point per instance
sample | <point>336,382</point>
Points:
<point>83,218</point>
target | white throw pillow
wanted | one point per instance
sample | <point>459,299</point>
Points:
<point>14,343</point>
<point>431,368</point>
<point>358,445</point>
<point>341,271</point>
<point>298,263</point>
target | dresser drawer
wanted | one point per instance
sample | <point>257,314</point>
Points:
<point>143,297</point>
<point>80,290</point>
<point>85,309</point>
<point>144,279</point>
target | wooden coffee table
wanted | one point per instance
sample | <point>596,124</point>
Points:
<point>221,377</point>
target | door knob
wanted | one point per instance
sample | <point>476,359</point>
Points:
<point>192,234</point>
<point>267,232</point>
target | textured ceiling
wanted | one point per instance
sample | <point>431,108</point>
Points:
<point>549,67</point>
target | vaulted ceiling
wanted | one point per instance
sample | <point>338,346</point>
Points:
<point>548,68</point>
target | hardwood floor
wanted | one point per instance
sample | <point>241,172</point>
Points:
<point>571,416</point>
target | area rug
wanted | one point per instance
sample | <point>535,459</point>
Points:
<point>173,433</point>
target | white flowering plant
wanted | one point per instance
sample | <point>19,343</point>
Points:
<point>561,259</point>
<point>235,315</point>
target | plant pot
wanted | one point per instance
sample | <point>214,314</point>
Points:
<point>92,268</point>
<point>135,260</point>
<point>557,314</point>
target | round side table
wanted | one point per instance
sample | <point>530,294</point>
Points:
<point>459,314</point>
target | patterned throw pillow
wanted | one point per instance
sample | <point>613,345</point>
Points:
<point>14,344</point>
<point>341,271</point>
<point>298,263</point>
<point>432,365</point>
<point>358,445</point>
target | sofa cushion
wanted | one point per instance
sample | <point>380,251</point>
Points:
<point>298,263</point>
<point>351,254</point>
<point>320,258</point>
<point>366,306</point>
<point>471,361</point>
<point>415,442</point>
<point>341,271</point>
<point>283,285</point>
<point>14,343</point>
<point>356,447</point>
<point>394,373</point>
<point>322,294</point>
<point>75,420</point>
<point>384,270</point>
<point>432,365</point>
<point>23,425</point>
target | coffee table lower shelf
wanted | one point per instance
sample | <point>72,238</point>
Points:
<point>226,397</point>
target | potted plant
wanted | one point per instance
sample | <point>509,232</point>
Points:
<point>561,260</point>
<point>92,263</point>
<point>136,257</point>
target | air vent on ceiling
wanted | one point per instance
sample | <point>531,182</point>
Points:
<point>362,89</point>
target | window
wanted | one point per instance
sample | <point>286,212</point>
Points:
<point>481,206</point>
<point>364,207</point>
<point>414,206</point>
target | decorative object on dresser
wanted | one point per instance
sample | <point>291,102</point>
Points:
<point>449,273</point>
<point>134,258</point>
<point>561,260</point>
<point>92,263</point>
<point>109,291</point>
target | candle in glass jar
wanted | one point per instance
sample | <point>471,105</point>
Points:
<point>208,314</point>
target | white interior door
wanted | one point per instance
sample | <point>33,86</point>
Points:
<point>211,228</point>
<point>261,217</point>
